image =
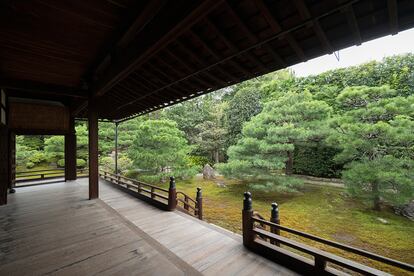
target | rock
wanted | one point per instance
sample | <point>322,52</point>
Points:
<point>406,210</point>
<point>221,184</point>
<point>383,220</point>
<point>208,172</point>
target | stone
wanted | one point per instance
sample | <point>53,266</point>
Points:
<point>208,172</point>
<point>383,220</point>
<point>406,210</point>
<point>221,184</point>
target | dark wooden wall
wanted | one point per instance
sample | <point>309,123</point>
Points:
<point>28,118</point>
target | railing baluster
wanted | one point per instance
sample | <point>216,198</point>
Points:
<point>186,203</point>
<point>320,263</point>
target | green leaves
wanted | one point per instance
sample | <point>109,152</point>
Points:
<point>160,147</point>
<point>269,138</point>
<point>375,134</point>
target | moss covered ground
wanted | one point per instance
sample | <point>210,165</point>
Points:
<point>324,211</point>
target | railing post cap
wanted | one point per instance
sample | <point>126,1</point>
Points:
<point>274,206</point>
<point>198,189</point>
<point>172,182</point>
<point>247,202</point>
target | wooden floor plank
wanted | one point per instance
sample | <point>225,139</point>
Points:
<point>54,230</point>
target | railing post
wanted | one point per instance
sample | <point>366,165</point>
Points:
<point>186,203</point>
<point>139,187</point>
<point>199,200</point>
<point>274,217</point>
<point>172,195</point>
<point>320,264</point>
<point>152,193</point>
<point>247,213</point>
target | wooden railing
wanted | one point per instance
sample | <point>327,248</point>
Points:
<point>263,237</point>
<point>167,199</point>
<point>189,205</point>
<point>24,176</point>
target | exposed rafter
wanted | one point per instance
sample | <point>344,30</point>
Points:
<point>353,24</point>
<point>305,15</point>
<point>276,28</point>
<point>393,15</point>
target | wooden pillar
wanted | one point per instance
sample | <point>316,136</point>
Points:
<point>70,152</point>
<point>12,161</point>
<point>116,148</point>
<point>4,163</point>
<point>93,152</point>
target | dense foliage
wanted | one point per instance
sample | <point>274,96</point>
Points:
<point>266,121</point>
<point>375,137</point>
<point>161,149</point>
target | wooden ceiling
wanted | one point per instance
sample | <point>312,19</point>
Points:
<point>132,57</point>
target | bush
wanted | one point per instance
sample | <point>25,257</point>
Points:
<point>37,157</point>
<point>80,163</point>
<point>199,161</point>
<point>30,165</point>
<point>316,161</point>
<point>61,163</point>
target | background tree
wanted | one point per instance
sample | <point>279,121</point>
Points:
<point>375,136</point>
<point>160,148</point>
<point>269,139</point>
<point>245,104</point>
<point>212,133</point>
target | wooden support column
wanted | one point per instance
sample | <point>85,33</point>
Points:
<point>70,151</point>
<point>116,148</point>
<point>93,152</point>
<point>4,163</point>
<point>12,162</point>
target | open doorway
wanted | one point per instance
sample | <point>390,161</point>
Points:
<point>40,159</point>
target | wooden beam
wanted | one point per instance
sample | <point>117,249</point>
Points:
<point>306,15</point>
<point>353,24</point>
<point>276,28</point>
<point>93,152</point>
<point>131,60</point>
<point>393,15</point>
<point>35,88</point>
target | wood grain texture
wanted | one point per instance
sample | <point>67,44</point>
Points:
<point>54,230</point>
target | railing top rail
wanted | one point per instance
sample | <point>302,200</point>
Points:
<point>46,170</point>
<point>317,253</point>
<point>136,181</point>
<point>188,197</point>
<point>338,245</point>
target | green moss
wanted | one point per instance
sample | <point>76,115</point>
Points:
<point>324,211</point>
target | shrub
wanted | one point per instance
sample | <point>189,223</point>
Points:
<point>29,165</point>
<point>80,163</point>
<point>61,163</point>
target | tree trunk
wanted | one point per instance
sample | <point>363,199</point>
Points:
<point>216,156</point>
<point>289,163</point>
<point>376,198</point>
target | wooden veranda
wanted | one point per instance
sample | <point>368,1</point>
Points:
<point>115,59</point>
